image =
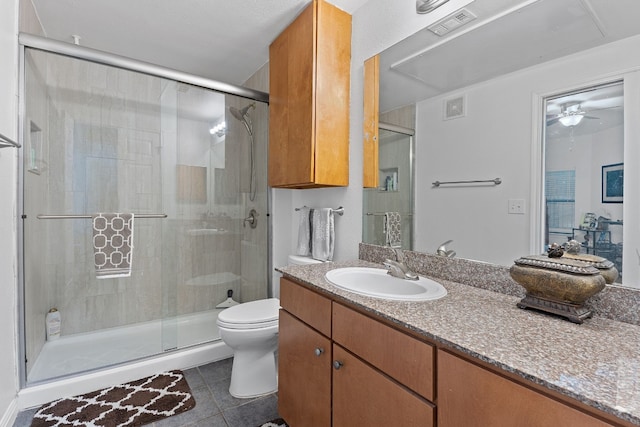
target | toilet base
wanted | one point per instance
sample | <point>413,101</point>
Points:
<point>253,374</point>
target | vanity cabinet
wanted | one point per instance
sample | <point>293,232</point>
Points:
<point>309,89</point>
<point>490,399</point>
<point>339,367</point>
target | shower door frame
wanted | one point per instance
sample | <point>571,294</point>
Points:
<point>26,40</point>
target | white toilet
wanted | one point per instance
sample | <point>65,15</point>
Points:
<point>251,330</point>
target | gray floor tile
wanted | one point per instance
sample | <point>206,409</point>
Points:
<point>220,391</point>
<point>215,421</point>
<point>253,413</point>
<point>217,370</point>
<point>24,418</point>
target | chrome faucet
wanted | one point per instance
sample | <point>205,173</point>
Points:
<point>442,250</point>
<point>398,268</point>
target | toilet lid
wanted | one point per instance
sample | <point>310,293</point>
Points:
<point>260,313</point>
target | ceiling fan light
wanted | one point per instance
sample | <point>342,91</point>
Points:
<point>571,120</point>
<point>426,6</point>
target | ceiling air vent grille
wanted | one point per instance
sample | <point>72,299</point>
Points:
<point>451,22</point>
<point>454,108</point>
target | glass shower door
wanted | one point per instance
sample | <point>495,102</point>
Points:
<point>100,139</point>
<point>394,194</point>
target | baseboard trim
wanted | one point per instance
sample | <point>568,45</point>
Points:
<point>10,415</point>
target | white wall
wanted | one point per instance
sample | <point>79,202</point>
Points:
<point>462,149</point>
<point>8,220</point>
<point>377,25</point>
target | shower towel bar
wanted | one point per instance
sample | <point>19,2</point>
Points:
<point>339,211</point>
<point>89,216</point>
<point>382,214</point>
<point>496,181</point>
<point>8,142</point>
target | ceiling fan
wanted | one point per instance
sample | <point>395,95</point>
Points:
<point>571,115</point>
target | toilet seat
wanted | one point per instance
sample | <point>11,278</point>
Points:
<point>250,315</point>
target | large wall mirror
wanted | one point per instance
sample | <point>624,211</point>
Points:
<point>487,99</point>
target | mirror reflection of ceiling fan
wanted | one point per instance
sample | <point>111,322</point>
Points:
<point>571,115</point>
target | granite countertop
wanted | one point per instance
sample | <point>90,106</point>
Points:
<point>597,362</point>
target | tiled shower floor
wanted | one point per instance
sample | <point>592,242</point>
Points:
<point>215,407</point>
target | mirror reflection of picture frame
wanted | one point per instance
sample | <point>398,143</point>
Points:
<point>612,183</point>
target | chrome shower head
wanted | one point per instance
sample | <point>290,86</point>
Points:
<point>241,114</point>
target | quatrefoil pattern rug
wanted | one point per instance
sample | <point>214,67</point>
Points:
<point>131,404</point>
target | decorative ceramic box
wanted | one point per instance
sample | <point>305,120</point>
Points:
<point>559,285</point>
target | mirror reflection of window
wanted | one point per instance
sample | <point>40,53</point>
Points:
<point>584,148</point>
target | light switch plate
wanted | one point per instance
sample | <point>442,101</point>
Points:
<point>516,206</point>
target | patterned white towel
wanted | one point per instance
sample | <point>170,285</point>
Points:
<point>392,230</point>
<point>112,244</point>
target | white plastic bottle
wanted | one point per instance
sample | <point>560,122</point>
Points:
<point>53,323</point>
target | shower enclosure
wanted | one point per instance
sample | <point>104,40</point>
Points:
<point>99,138</point>
<point>394,193</point>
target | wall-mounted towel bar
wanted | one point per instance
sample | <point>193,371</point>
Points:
<point>496,181</point>
<point>89,216</point>
<point>339,211</point>
<point>383,213</point>
<point>8,142</point>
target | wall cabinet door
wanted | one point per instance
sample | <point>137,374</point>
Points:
<point>362,396</point>
<point>371,122</point>
<point>304,380</point>
<point>309,89</point>
<point>469,395</point>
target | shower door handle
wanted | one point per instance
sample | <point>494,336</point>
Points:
<point>251,219</point>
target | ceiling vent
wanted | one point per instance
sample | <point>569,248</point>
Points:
<point>454,108</point>
<point>451,22</point>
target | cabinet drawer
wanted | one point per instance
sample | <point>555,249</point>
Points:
<point>398,355</point>
<point>306,305</point>
<point>363,396</point>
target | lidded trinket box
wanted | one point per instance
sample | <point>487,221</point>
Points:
<point>561,284</point>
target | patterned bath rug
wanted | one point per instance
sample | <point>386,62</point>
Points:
<point>131,404</point>
<point>275,423</point>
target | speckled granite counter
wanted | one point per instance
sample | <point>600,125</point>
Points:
<point>597,363</point>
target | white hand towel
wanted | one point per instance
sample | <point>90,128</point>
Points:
<point>304,232</point>
<point>112,244</point>
<point>322,234</point>
<point>392,230</point>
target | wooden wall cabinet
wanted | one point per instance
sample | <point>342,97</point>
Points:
<point>371,122</point>
<point>309,89</point>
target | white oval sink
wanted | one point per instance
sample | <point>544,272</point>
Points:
<point>375,282</point>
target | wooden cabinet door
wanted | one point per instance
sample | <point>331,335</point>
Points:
<point>309,89</point>
<point>291,90</point>
<point>469,395</point>
<point>371,122</point>
<point>304,374</point>
<point>362,396</point>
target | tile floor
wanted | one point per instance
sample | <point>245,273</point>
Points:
<point>215,407</point>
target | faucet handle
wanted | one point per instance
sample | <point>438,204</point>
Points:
<point>399,254</point>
